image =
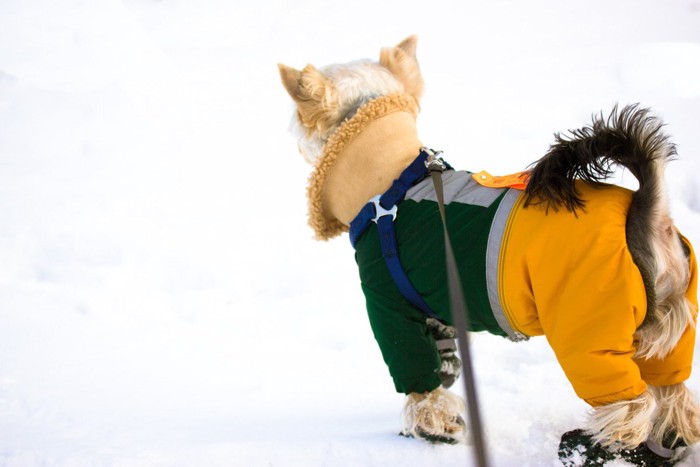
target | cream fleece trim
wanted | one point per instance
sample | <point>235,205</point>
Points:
<point>326,228</point>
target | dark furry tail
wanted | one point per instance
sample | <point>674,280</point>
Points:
<point>631,138</point>
<point>634,139</point>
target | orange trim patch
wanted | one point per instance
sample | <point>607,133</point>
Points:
<point>516,180</point>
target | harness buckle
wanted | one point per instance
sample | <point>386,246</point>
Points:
<point>380,211</point>
<point>434,160</point>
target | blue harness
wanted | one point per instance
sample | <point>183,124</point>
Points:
<point>382,211</point>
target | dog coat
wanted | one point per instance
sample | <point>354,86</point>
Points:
<point>525,272</point>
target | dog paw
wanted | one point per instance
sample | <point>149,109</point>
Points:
<point>578,449</point>
<point>456,436</point>
<point>435,416</point>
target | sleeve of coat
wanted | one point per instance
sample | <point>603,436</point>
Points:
<point>589,294</point>
<point>406,344</point>
<point>675,367</point>
<point>591,329</point>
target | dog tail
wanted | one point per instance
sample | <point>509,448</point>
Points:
<point>634,139</point>
<point>631,138</point>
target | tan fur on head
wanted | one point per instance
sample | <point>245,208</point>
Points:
<point>314,94</point>
<point>623,424</point>
<point>678,415</point>
<point>327,97</point>
<point>437,413</point>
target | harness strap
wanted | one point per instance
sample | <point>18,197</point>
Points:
<point>369,213</point>
<point>387,238</point>
<point>382,211</point>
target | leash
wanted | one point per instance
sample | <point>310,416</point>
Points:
<point>458,307</point>
<point>382,210</point>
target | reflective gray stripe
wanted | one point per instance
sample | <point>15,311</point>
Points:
<point>493,252</point>
<point>459,187</point>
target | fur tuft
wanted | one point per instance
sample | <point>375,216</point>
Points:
<point>623,424</point>
<point>678,416</point>
<point>631,138</point>
<point>436,415</point>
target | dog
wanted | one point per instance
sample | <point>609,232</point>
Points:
<point>598,269</point>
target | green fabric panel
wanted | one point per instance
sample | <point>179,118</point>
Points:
<point>407,347</point>
<point>398,327</point>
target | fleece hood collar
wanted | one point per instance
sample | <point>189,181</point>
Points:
<point>323,226</point>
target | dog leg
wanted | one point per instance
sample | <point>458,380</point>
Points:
<point>435,416</point>
<point>623,424</point>
<point>653,429</point>
<point>450,364</point>
<point>677,421</point>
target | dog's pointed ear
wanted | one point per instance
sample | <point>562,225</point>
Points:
<point>401,61</point>
<point>291,79</point>
<point>314,95</point>
<point>314,84</point>
<point>304,85</point>
<point>409,45</point>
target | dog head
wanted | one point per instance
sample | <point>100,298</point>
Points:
<point>325,98</point>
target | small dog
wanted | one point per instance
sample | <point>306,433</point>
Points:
<point>598,269</point>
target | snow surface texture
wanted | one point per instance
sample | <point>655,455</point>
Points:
<point>162,302</point>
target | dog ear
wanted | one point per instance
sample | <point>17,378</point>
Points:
<point>409,45</point>
<point>314,95</point>
<point>401,61</point>
<point>291,79</point>
<point>304,85</point>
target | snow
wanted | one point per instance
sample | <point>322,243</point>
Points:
<point>162,302</point>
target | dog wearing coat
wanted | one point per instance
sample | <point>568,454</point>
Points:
<point>599,270</point>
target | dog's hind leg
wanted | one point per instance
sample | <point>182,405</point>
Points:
<point>677,419</point>
<point>665,417</point>
<point>625,423</point>
<point>672,312</point>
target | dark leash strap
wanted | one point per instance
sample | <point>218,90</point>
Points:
<point>459,311</point>
<point>382,211</point>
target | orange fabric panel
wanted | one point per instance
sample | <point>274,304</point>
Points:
<point>587,299</point>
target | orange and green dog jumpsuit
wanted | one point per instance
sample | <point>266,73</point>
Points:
<point>525,272</point>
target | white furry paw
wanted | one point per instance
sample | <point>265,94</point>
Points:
<point>435,416</point>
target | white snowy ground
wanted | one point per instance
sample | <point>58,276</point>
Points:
<point>162,302</point>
